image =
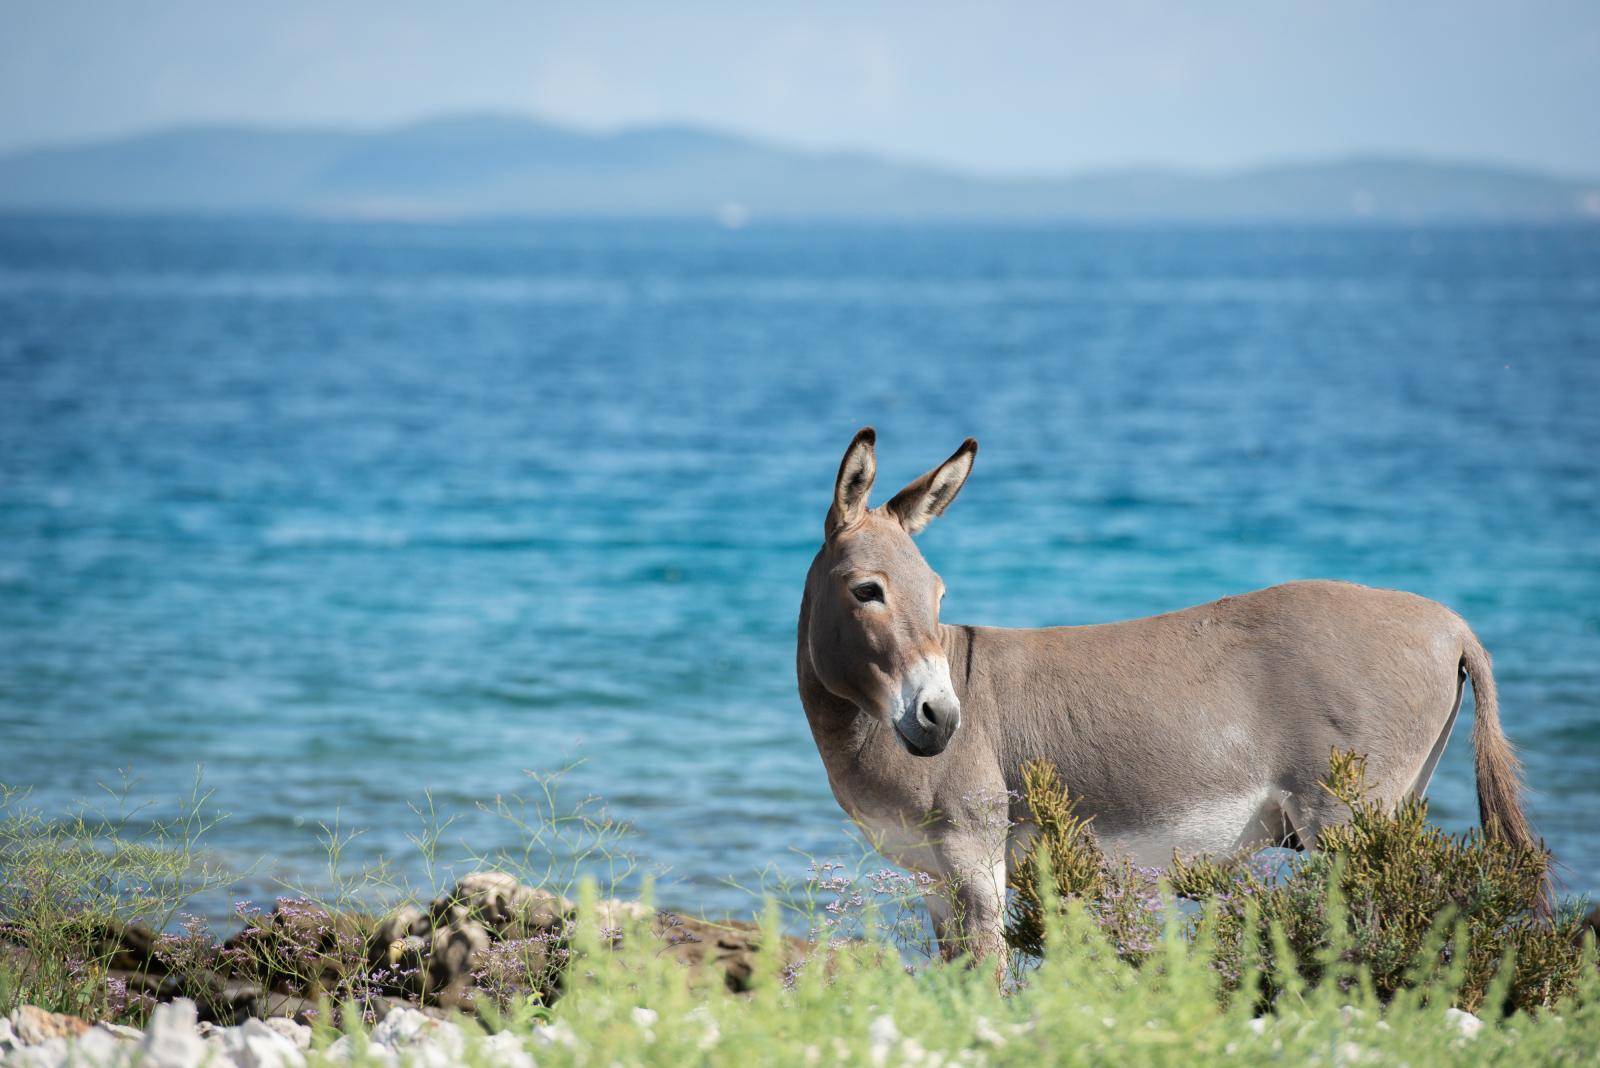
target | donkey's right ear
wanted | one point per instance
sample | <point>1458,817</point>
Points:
<point>856,472</point>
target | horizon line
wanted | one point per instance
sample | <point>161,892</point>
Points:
<point>355,128</point>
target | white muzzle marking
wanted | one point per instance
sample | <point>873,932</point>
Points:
<point>928,713</point>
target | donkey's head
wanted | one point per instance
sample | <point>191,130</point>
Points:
<point>872,622</point>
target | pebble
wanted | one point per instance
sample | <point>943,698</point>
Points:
<point>1465,1023</point>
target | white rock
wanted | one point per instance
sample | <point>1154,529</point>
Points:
<point>505,1050</point>
<point>171,1040</point>
<point>614,914</point>
<point>1466,1024</point>
<point>95,1048</point>
<point>8,1038</point>
<point>347,1048</point>
<point>101,1047</point>
<point>31,1025</point>
<point>423,1040</point>
<point>121,1032</point>
<point>402,1027</point>
<point>430,1055</point>
<point>255,1045</point>
<point>51,1053</point>
<point>298,1033</point>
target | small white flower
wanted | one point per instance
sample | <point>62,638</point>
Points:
<point>913,1053</point>
<point>556,1034</point>
<point>1349,1053</point>
<point>711,1034</point>
<point>883,1034</point>
<point>984,1032</point>
<point>645,1017</point>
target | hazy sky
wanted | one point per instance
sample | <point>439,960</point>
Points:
<point>999,87</point>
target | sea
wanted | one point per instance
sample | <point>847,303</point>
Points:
<point>404,536</point>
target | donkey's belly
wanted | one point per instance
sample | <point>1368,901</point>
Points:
<point>1213,824</point>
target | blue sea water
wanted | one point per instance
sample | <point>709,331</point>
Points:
<point>353,512</point>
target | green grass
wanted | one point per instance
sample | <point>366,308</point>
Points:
<point>1083,1004</point>
<point>1307,974</point>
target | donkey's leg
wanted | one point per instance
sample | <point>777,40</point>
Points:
<point>971,898</point>
<point>940,899</point>
<point>1419,785</point>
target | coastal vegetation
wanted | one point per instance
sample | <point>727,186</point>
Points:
<point>1394,943</point>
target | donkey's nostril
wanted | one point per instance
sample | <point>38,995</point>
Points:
<point>930,714</point>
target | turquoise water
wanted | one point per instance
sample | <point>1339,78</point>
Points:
<point>351,512</point>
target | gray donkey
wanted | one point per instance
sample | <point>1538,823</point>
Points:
<point>1202,730</point>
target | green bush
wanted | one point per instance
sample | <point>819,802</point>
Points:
<point>1386,901</point>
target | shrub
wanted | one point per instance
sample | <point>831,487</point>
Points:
<point>72,886</point>
<point>1386,900</point>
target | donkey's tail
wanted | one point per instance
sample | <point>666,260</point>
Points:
<point>1499,770</point>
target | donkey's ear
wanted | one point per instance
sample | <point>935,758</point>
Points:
<point>856,472</point>
<point>917,504</point>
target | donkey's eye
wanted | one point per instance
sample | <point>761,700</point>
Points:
<point>868,592</point>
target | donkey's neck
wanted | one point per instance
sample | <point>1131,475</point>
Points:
<point>832,718</point>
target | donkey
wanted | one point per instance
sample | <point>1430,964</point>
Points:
<point>1202,730</point>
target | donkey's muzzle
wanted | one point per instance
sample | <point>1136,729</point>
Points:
<point>927,728</point>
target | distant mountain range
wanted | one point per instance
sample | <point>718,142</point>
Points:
<point>509,166</point>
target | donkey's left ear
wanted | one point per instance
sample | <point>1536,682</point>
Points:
<point>917,504</point>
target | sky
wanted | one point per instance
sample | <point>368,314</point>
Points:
<point>1017,88</point>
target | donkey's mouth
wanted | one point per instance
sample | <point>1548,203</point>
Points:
<point>925,747</point>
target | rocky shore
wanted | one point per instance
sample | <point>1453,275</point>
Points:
<point>417,976</point>
<point>176,1038</point>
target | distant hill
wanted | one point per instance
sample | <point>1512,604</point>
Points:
<point>500,165</point>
